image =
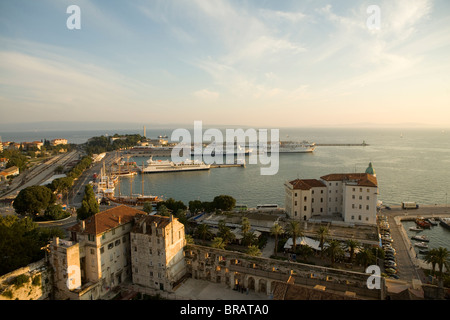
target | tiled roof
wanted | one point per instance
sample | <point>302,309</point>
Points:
<point>108,219</point>
<point>362,179</point>
<point>306,184</point>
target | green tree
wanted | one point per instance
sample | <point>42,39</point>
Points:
<point>276,231</point>
<point>322,233</point>
<point>55,212</point>
<point>33,200</point>
<point>224,202</point>
<point>195,206</point>
<point>253,250</point>
<point>294,230</point>
<point>351,246</point>
<point>163,211</point>
<point>441,257</point>
<point>202,232</point>
<point>305,252</point>
<point>334,251</point>
<point>219,243</point>
<point>225,232</point>
<point>365,257</point>
<point>21,241</point>
<point>89,205</point>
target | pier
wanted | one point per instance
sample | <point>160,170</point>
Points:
<point>227,165</point>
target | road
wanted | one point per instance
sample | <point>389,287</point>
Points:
<point>409,267</point>
<point>39,173</point>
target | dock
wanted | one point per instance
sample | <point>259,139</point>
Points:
<point>364,144</point>
<point>227,165</point>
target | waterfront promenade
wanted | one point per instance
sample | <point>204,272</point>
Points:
<point>409,265</point>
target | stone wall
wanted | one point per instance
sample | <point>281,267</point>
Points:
<point>260,274</point>
<point>32,282</point>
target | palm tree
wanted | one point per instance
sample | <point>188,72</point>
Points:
<point>245,226</point>
<point>430,257</point>
<point>365,257</point>
<point>351,245</point>
<point>442,256</point>
<point>294,230</point>
<point>253,251</point>
<point>218,243</point>
<point>322,233</point>
<point>305,252</point>
<point>189,239</point>
<point>276,230</point>
<point>203,232</point>
<point>334,250</point>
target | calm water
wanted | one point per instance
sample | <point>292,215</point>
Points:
<point>411,165</point>
<point>438,235</point>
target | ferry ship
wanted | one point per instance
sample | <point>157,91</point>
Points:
<point>445,222</point>
<point>291,147</point>
<point>156,166</point>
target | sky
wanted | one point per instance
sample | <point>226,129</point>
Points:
<point>261,63</point>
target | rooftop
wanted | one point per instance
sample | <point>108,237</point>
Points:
<point>306,184</point>
<point>106,220</point>
<point>362,179</point>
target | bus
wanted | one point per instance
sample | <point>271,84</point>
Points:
<point>267,207</point>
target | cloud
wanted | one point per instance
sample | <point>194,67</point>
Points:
<point>206,94</point>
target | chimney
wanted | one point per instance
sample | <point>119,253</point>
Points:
<point>83,225</point>
<point>56,241</point>
<point>120,219</point>
<point>144,228</point>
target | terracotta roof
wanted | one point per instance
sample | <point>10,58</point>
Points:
<point>108,219</point>
<point>306,184</point>
<point>161,222</point>
<point>362,179</point>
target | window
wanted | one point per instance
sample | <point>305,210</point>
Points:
<point>360,206</point>
<point>295,213</point>
<point>296,194</point>
<point>360,197</point>
<point>92,251</point>
<point>321,209</point>
<point>321,199</point>
<point>360,189</point>
<point>359,217</point>
<point>353,197</point>
<point>111,245</point>
<point>312,210</point>
<point>321,191</point>
<point>353,217</point>
<point>151,274</point>
<point>312,200</point>
<point>368,197</point>
<point>102,249</point>
<point>117,242</point>
<point>150,251</point>
<point>124,239</point>
<point>295,203</point>
<point>367,207</point>
<point>305,198</point>
<point>304,208</point>
<point>353,206</point>
<point>312,192</point>
<point>354,189</point>
<point>91,237</point>
<point>337,184</point>
<point>368,190</point>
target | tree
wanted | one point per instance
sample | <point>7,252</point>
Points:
<point>352,245</point>
<point>21,241</point>
<point>441,257</point>
<point>225,232</point>
<point>55,212</point>
<point>253,250</point>
<point>245,226</point>
<point>163,211</point>
<point>334,250</point>
<point>218,243</point>
<point>293,229</point>
<point>203,232</point>
<point>89,205</point>
<point>305,252</point>
<point>189,239</point>
<point>365,257</point>
<point>276,231</point>
<point>224,202</point>
<point>148,207</point>
<point>33,200</point>
<point>195,206</point>
<point>249,238</point>
<point>322,233</point>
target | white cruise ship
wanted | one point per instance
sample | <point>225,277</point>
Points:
<point>291,147</point>
<point>156,166</point>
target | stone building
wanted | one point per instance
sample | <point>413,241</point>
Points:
<point>97,257</point>
<point>157,255</point>
<point>351,196</point>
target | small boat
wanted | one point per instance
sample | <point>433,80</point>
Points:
<point>423,251</point>
<point>445,222</point>
<point>422,238</point>
<point>421,245</point>
<point>422,223</point>
<point>432,221</point>
<point>415,229</point>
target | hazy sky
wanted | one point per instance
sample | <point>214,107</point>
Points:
<point>257,63</point>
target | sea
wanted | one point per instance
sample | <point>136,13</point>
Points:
<point>410,165</point>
